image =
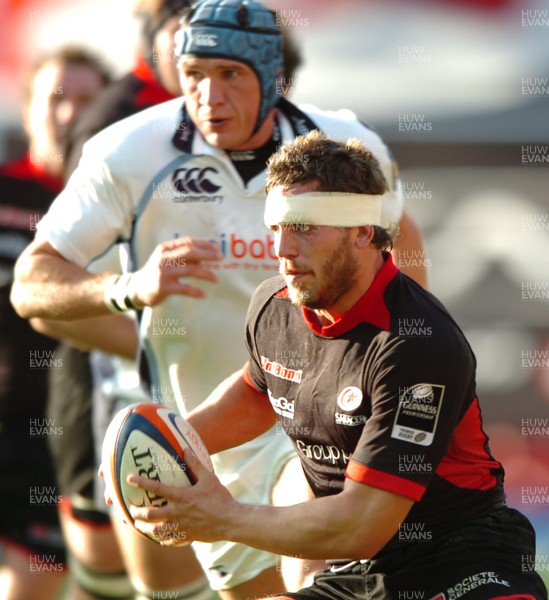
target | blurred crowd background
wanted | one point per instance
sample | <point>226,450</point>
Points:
<point>460,91</point>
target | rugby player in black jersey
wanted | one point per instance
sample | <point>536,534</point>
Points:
<point>382,409</point>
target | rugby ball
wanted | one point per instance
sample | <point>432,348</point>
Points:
<point>147,439</point>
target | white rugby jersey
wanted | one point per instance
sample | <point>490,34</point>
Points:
<point>152,178</point>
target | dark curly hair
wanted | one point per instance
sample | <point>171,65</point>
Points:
<point>336,166</point>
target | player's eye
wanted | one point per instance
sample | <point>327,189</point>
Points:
<point>193,75</point>
<point>230,74</point>
<point>298,227</point>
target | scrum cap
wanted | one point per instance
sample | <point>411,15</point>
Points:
<point>243,30</point>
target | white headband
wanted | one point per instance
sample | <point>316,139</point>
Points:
<point>337,209</point>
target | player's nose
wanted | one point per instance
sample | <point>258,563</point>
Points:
<point>286,243</point>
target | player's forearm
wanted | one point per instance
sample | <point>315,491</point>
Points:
<point>232,414</point>
<point>324,528</point>
<point>304,530</point>
<point>354,524</point>
<point>115,334</point>
<point>47,286</point>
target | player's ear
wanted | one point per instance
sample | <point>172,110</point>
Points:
<point>364,236</point>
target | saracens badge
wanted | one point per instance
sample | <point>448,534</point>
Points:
<point>349,398</point>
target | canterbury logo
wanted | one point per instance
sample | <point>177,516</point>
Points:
<point>194,181</point>
<point>206,39</point>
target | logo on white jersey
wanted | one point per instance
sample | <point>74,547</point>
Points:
<point>195,180</point>
<point>206,39</point>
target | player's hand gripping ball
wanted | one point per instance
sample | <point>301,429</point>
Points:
<point>148,439</point>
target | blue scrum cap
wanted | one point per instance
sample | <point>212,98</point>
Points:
<point>243,30</point>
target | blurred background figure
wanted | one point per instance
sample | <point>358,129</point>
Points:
<point>152,80</point>
<point>60,85</point>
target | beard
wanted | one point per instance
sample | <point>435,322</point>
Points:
<point>337,276</point>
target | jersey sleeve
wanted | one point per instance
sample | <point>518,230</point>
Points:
<point>91,213</point>
<point>420,389</point>
<point>251,379</point>
<point>253,373</point>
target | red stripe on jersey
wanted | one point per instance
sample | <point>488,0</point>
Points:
<point>513,597</point>
<point>20,548</point>
<point>66,505</point>
<point>152,92</point>
<point>28,169</point>
<point>467,463</point>
<point>152,95</point>
<point>385,481</point>
<point>248,379</point>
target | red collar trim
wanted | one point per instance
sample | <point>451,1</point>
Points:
<point>25,168</point>
<point>143,71</point>
<point>152,92</point>
<point>370,308</point>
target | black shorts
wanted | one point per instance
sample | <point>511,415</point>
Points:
<point>79,403</point>
<point>74,453</point>
<point>70,405</point>
<point>29,500</point>
<point>486,559</point>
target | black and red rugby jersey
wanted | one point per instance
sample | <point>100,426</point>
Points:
<point>385,396</point>
<point>26,192</point>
